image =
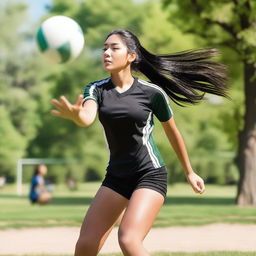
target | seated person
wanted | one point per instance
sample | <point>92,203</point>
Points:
<point>38,192</point>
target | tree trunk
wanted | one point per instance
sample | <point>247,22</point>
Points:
<point>246,158</point>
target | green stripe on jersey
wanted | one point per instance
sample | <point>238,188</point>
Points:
<point>156,151</point>
<point>160,102</point>
<point>150,145</point>
<point>162,108</point>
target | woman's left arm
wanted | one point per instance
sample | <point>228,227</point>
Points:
<point>179,147</point>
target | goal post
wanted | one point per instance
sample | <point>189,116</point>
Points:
<point>35,161</point>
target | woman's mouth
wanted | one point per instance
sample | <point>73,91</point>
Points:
<point>106,61</point>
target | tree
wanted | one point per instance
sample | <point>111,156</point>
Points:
<point>60,138</point>
<point>12,144</point>
<point>200,125</point>
<point>229,24</point>
<point>21,85</point>
<point>158,35</point>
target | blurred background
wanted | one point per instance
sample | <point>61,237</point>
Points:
<point>219,133</point>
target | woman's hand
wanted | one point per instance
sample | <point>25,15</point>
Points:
<point>67,110</point>
<point>81,114</point>
<point>196,182</point>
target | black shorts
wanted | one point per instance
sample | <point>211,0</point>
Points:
<point>125,185</point>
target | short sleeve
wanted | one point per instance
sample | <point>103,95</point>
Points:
<point>35,181</point>
<point>91,92</point>
<point>161,107</point>
<point>40,180</point>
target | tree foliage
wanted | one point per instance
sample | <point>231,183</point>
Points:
<point>87,145</point>
<point>230,24</point>
<point>233,21</point>
<point>17,87</point>
<point>28,82</point>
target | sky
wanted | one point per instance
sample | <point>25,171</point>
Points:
<point>36,7</point>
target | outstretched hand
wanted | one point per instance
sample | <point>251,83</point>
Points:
<point>67,110</point>
<point>196,182</point>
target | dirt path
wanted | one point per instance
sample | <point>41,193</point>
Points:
<point>61,240</point>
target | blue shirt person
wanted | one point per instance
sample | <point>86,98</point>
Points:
<point>38,193</point>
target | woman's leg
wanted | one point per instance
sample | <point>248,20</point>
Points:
<point>101,216</point>
<point>138,218</point>
<point>44,198</point>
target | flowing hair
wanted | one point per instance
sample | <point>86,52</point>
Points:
<point>184,76</point>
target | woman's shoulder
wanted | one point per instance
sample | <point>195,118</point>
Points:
<point>100,82</point>
<point>35,179</point>
<point>96,86</point>
<point>151,88</point>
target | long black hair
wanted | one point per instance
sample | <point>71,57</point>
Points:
<point>184,76</point>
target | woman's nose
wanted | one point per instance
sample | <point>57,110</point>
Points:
<point>106,53</point>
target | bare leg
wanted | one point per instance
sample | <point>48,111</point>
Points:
<point>138,218</point>
<point>104,211</point>
<point>44,198</point>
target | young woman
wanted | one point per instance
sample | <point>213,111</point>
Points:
<point>136,179</point>
<point>38,193</point>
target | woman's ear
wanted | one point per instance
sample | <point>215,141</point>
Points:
<point>132,56</point>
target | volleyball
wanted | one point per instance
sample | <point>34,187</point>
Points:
<point>60,39</point>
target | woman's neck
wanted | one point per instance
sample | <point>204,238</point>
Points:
<point>122,79</point>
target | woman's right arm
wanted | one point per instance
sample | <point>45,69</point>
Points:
<point>80,114</point>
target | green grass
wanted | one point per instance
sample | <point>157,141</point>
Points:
<point>182,207</point>
<point>170,254</point>
<point>217,205</point>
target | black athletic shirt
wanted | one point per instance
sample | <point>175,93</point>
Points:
<point>127,119</point>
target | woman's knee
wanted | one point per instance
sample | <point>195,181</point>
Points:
<point>86,246</point>
<point>128,238</point>
<point>44,198</point>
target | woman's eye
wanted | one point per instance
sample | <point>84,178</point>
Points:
<point>114,48</point>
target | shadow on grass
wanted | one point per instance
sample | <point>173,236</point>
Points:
<point>12,196</point>
<point>176,200</point>
<point>172,200</point>
<point>71,200</point>
<point>56,200</point>
<point>179,200</point>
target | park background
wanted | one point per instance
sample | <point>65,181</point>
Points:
<point>211,129</point>
<point>219,133</point>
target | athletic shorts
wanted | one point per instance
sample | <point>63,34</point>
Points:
<point>155,179</point>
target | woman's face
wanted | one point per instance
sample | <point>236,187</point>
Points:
<point>115,55</point>
<point>42,169</point>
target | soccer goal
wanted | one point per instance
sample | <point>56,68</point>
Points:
<point>35,161</point>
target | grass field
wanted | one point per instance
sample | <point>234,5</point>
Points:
<point>182,207</point>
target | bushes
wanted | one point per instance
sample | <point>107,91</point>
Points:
<point>217,170</point>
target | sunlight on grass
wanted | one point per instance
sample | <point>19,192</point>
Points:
<point>182,207</point>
